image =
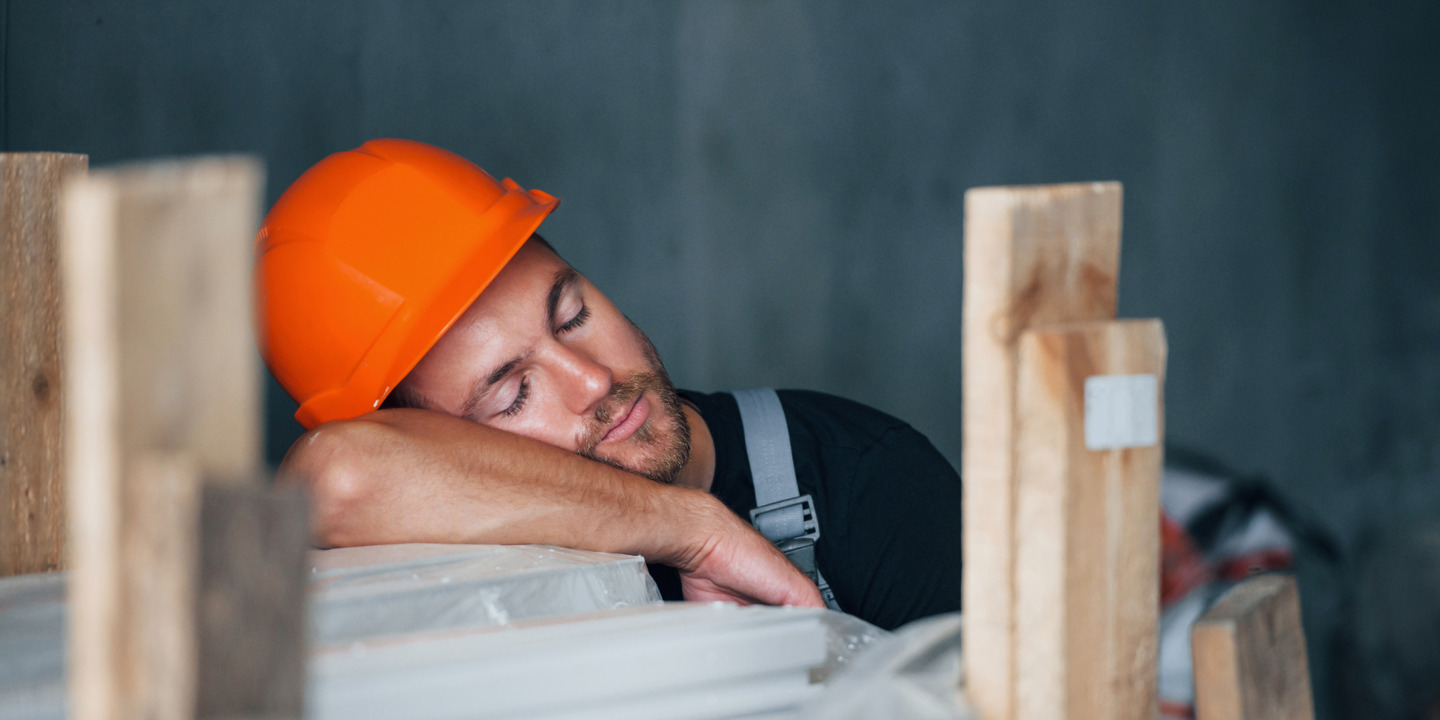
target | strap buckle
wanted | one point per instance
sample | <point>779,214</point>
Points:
<point>810,526</point>
<point>800,549</point>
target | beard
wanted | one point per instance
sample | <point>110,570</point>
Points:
<point>661,445</point>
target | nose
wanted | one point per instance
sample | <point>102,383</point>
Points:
<point>584,381</point>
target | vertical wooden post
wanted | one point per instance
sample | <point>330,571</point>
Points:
<point>1249,654</point>
<point>161,258</point>
<point>163,389</point>
<point>250,612</point>
<point>32,498</point>
<point>1089,422</point>
<point>1033,255</point>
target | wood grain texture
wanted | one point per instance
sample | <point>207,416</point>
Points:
<point>252,640</point>
<point>1088,549</point>
<point>1249,654</point>
<point>162,387</point>
<point>148,645</point>
<point>32,497</point>
<point>1033,255</point>
<point>190,375</point>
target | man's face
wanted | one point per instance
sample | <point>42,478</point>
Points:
<point>542,353</point>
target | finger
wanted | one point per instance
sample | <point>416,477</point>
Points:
<point>807,596</point>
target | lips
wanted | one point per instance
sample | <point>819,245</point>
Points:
<point>626,425</point>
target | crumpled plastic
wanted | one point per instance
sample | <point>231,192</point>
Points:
<point>910,675</point>
<point>846,637</point>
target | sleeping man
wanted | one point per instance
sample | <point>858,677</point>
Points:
<point>461,383</point>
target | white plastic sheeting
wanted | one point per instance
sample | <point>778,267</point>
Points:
<point>440,631</point>
<point>677,660</point>
<point>369,592</point>
<point>912,675</point>
<point>357,594</point>
<point>846,637</point>
<point>32,647</point>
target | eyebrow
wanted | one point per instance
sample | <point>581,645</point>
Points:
<point>564,278</point>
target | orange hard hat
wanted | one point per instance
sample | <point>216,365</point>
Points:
<point>368,258</point>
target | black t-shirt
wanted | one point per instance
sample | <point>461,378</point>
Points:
<point>888,503</point>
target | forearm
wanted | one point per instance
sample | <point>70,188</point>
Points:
<point>415,476</point>
<point>401,476</point>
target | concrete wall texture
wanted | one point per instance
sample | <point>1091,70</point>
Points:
<point>774,190</point>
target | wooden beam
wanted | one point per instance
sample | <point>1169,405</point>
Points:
<point>163,384</point>
<point>1033,255</point>
<point>252,642</point>
<point>32,498</point>
<point>1249,654</point>
<point>161,258</point>
<point>1089,424</point>
<point>132,614</point>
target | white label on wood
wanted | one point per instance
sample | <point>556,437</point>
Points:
<point>1120,411</point>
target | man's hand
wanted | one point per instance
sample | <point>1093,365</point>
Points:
<point>417,476</point>
<point>734,563</point>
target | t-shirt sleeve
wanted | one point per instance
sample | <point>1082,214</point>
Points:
<point>901,538</point>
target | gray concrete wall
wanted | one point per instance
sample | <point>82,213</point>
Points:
<point>774,190</point>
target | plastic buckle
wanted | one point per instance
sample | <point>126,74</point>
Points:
<point>801,551</point>
<point>811,526</point>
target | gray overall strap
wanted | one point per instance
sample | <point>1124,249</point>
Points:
<point>781,514</point>
<point>767,442</point>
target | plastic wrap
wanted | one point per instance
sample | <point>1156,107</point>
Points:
<point>523,631</point>
<point>358,595</point>
<point>32,647</point>
<point>846,637</point>
<point>672,661</point>
<point>910,675</point>
<point>371,592</point>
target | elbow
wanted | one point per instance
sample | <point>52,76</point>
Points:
<point>325,464</point>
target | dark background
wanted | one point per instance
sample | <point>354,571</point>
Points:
<point>774,190</point>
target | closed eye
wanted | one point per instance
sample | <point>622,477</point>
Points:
<point>520,397</point>
<point>575,322</point>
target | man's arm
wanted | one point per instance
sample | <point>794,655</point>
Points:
<point>416,476</point>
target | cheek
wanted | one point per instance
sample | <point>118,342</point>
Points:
<point>620,342</point>
<point>544,420</point>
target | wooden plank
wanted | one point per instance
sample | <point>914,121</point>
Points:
<point>32,498</point>
<point>1089,424</point>
<point>163,387</point>
<point>188,374</point>
<point>253,631</point>
<point>1249,654</point>
<point>1033,255</point>
<point>141,651</point>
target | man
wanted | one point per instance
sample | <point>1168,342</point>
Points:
<point>521,406</point>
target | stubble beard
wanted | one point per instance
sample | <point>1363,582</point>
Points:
<point>661,455</point>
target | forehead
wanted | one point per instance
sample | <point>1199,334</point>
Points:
<point>531,272</point>
<point>500,324</point>
<point>515,300</point>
